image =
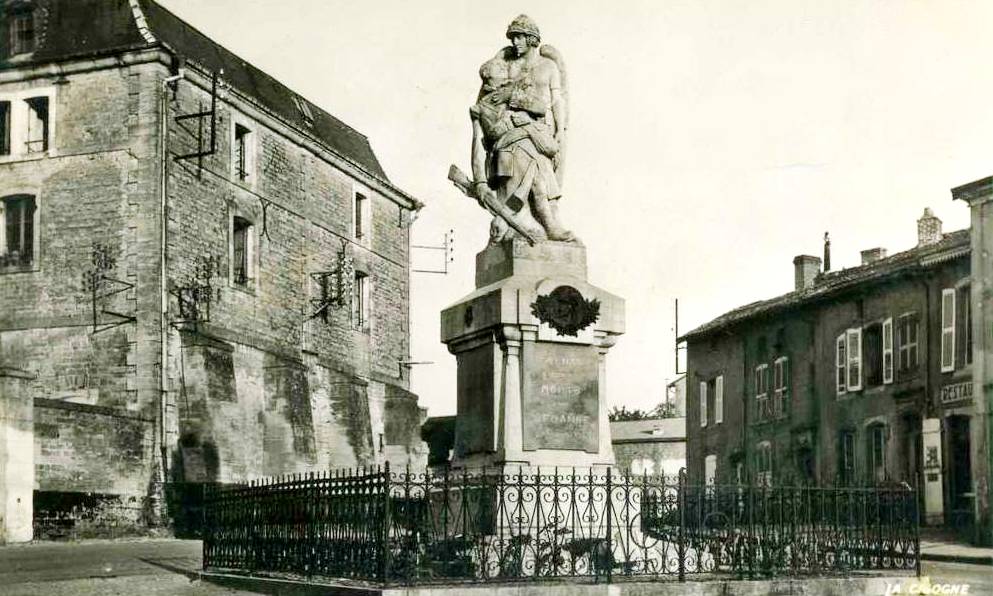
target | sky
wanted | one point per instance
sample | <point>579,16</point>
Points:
<point>710,141</point>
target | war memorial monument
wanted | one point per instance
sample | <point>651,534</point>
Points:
<point>532,339</point>
<point>532,492</point>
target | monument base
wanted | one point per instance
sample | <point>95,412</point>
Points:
<point>531,343</point>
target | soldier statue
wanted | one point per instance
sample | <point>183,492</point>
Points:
<point>518,138</point>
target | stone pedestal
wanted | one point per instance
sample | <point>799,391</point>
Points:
<point>531,344</point>
<point>16,456</point>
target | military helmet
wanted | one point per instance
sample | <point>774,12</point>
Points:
<point>523,24</point>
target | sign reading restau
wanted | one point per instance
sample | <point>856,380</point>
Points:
<point>956,392</point>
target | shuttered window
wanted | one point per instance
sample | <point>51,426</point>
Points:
<point>854,349</point>
<point>703,403</point>
<point>719,400</point>
<point>888,351</point>
<point>841,362</point>
<point>947,330</point>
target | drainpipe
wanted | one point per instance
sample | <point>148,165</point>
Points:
<point>746,440</point>
<point>160,436</point>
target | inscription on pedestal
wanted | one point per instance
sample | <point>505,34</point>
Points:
<point>560,397</point>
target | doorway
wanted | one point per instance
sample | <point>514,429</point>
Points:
<point>960,496</point>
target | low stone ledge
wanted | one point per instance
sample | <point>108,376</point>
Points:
<point>835,586</point>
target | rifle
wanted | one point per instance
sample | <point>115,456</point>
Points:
<point>488,202</point>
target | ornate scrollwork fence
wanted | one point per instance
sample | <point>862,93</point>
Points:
<point>410,528</point>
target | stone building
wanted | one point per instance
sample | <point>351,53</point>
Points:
<point>203,276</point>
<point>655,446</point>
<point>858,376</point>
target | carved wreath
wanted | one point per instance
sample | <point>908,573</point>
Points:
<point>566,311</point>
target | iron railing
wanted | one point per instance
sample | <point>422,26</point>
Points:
<point>412,528</point>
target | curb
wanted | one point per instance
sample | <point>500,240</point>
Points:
<point>783,586</point>
<point>968,559</point>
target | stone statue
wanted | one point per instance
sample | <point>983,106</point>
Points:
<point>518,138</point>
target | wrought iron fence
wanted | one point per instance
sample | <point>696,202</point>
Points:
<point>410,528</point>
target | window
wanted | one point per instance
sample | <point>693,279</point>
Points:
<point>780,386</point>
<point>876,455</point>
<point>26,123</point>
<point>360,301</point>
<point>242,252</point>
<point>703,403</point>
<point>854,348</point>
<point>242,153</point>
<point>763,464</point>
<point>888,351</point>
<point>304,108</point>
<point>873,340</point>
<point>719,400</point>
<point>907,342</point>
<point>360,217</point>
<point>4,128</point>
<point>710,470</point>
<point>17,248</point>
<point>21,31</point>
<point>947,330</point>
<point>965,297</point>
<point>846,457</point>
<point>841,360</point>
<point>37,125</point>
<point>762,391</point>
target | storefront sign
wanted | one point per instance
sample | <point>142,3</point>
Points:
<point>956,392</point>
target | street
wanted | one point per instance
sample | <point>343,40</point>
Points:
<point>148,567</point>
<point>166,567</point>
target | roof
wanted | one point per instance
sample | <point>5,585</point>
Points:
<point>951,246</point>
<point>81,28</point>
<point>648,431</point>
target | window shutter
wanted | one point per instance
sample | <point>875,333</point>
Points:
<point>703,403</point>
<point>27,245</point>
<point>841,362</point>
<point>855,359</point>
<point>947,330</point>
<point>719,400</point>
<point>888,351</point>
<point>4,128</point>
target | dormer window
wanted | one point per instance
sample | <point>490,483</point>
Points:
<point>21,29</point>
<point>304,108</point>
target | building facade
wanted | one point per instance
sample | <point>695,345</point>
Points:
<point>653,447</point>
<point>858,377</point>
<point>203,276</point>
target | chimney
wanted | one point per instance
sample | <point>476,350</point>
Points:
<point>872,255</point>
<point>805,271</point>
<point>827,252</point>
<point>928,228</point>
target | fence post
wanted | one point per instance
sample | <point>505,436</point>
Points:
<point>915,502</point>
<point>387,525</point>
<point>609,558</point>
<point>681,546</point>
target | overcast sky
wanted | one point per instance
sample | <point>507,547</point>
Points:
<point>710,141</point>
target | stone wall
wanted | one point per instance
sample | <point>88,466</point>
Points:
<point>94,393</point>
<point>260,388</point>
<point>300,392</point>
<point>651,457</point>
